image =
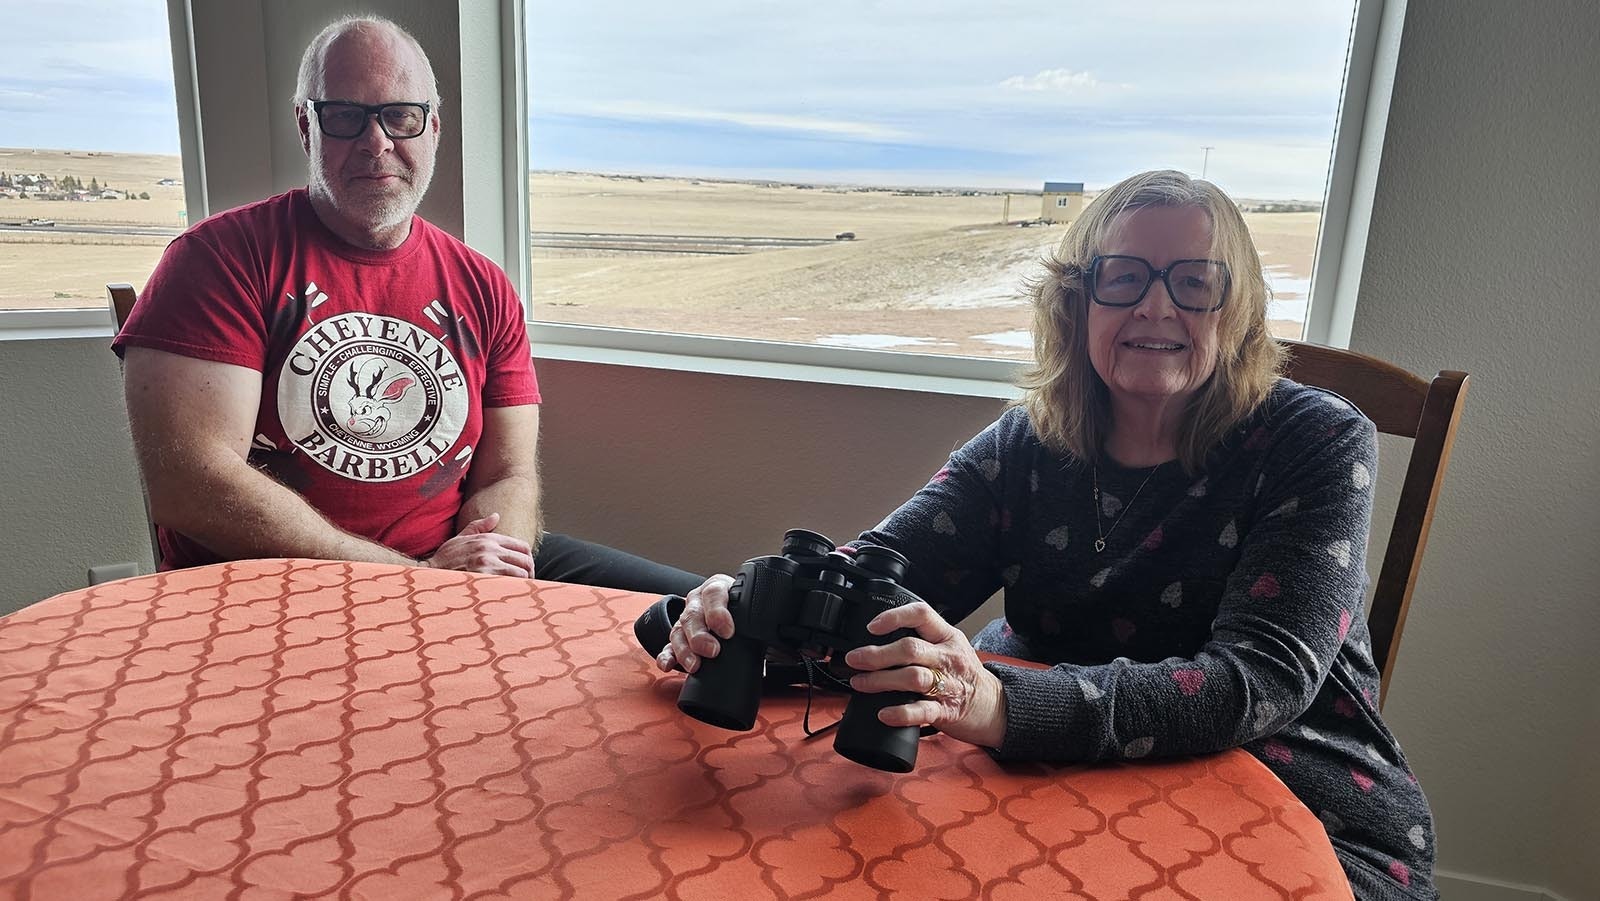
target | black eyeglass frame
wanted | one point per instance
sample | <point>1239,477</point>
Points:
<point>1092,278</point>
<point>371,109</point>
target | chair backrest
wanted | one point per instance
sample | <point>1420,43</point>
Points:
<point>1399,403</point>
<point>120,296</point>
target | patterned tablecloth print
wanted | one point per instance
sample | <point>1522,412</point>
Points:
<point>293,728</point>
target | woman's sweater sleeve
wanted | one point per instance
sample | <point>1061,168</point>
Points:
<point>950,530</point>
<point>1283,616</point>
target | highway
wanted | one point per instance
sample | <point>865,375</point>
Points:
<point>613,242</point>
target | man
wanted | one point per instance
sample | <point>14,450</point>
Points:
<point>324,374</point>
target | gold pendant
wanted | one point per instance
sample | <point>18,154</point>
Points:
<point>1099,545</point>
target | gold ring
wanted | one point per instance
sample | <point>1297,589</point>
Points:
<point>936,690</point>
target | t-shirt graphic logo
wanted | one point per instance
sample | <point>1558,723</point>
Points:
<point>370,409</point>
<point>372,398</point>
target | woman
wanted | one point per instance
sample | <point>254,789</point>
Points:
<point>1178,529</point>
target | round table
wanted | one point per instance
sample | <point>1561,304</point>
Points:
<point>277,728</point>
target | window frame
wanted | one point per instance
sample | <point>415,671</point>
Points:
<point>1352,174</point>
<point>1357,143</point>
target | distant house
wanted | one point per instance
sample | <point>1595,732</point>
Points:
<point>110,194</point>
<point>1063,201</point>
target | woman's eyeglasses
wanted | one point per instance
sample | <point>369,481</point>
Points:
<point>1199,286</point>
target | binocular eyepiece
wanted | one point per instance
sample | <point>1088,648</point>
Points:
<point>812,601</point>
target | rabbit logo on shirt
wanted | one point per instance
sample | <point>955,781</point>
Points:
<point>372,398</point>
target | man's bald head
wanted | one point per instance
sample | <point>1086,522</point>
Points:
<point>314,63</point>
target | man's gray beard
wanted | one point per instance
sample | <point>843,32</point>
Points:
<point>375,214</point>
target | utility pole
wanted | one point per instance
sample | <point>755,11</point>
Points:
<point>1206,161</point>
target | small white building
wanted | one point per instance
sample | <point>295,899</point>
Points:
<point>1063,201</point>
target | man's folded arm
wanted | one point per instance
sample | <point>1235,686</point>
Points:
<point>192,420</point>
<point>504,475</point>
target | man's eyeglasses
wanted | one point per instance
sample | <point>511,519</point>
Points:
<point>1199,286</point>
<point>344,120</point>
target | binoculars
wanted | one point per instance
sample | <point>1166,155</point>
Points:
<point>813,602</point>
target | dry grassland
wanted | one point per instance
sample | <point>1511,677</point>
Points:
<point>925,272</point>
<point>928,272</point>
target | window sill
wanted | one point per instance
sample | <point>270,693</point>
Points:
<point>34,325</point>
<point>931,373</point>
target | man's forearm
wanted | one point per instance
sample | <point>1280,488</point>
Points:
<point>238,512</point>
<point>516,499</point>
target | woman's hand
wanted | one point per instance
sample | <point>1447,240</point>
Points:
<point>963,699</point>
<point>705,617</point>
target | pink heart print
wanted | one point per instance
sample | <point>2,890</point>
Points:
<point>1189,680</point>
<point>1362,780</point>
<point>1278,751</point>
<point>1265,587</point>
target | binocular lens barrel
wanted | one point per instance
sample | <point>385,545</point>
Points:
<point>864,738</point>
<point>806,543</point>
<point>726,691</point>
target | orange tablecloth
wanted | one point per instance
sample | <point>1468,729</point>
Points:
<point>279,727</point>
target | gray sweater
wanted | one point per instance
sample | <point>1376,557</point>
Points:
<point>1226,610</point>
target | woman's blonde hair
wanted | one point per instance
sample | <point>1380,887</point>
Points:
<point>1067,400</point>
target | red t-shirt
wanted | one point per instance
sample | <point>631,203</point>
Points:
<point>375,365</point>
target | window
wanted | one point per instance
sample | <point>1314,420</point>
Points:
<point>91,188</point>
<point>871,175</point>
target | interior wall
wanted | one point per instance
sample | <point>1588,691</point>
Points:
<point>1481,257</point>
<point>703,471</point>
<point>69,487</point>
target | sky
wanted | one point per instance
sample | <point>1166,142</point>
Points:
<point>954,93</point>
<point>932,92</point>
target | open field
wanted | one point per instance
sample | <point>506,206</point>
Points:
<point>925,272</point>
<point>935,272</point>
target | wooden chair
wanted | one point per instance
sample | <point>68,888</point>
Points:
<point>120,297</point>
<point>1399,403</point>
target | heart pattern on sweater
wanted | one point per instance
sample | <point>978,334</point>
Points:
<point>1198,489</point>
<point>1057,538</point>
<point>1172,595</point>
<point>1340,551</point>
<point>1189,681</point>
<point>1419,837</point>
<point>1153,540</point>
<point>1229,536</point>
<point>1098,580</point>
<point>1266,712</point>
<point>1265,587</point>
<point>1285,508</point>
<point>1139,747</point>
<point>1123,629</point>
<point>1331,821</point>
<point>943,524</point>
<point>1362,780</point>
<point>1277,751</point>
<point>1361,475</point>
<point>1400,872</point>
<point>990,468</point>
<point>1091,691</point>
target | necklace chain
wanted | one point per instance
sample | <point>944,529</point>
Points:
<point>1100,533</point>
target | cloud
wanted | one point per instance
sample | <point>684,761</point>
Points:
<point>778,122</point>
<point>1056,80</point>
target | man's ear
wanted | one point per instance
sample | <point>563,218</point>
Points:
<point>302,118</point>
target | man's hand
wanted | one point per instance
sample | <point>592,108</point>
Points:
<point>480,549</point>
